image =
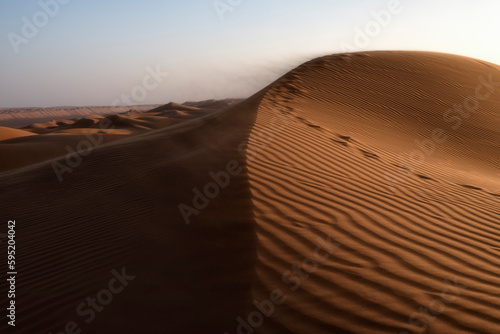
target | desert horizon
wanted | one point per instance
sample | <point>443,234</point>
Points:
<point>246,177</point>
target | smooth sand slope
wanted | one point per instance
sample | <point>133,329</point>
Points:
<point>330,215</point>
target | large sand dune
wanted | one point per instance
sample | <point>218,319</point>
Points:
<point>325,218</point>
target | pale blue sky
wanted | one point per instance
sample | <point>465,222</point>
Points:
<point>93,51</point>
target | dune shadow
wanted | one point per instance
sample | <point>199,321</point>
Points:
<point>120,209</point>
<point>470,187</point>
<point>370,155</point>
<point>423,177</point>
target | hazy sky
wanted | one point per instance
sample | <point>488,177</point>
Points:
<point>95,52</point>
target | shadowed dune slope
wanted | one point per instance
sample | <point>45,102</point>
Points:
<point>119,208</point>
<point>323,212</point>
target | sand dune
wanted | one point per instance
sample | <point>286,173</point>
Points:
<point>8,133</point>
<point>17,117</point>
<point>326,223</point>
<point>175,106</point>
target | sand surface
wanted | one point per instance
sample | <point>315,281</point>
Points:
<point>329,214</point>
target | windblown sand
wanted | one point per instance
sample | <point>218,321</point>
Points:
<point>333,207</point>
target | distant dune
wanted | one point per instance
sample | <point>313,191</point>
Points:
<point>8,133</point>
<point>55,136</point>
<point>17,117</point>
<point>359,193</point>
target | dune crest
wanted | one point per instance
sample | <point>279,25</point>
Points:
<point>401,243</point>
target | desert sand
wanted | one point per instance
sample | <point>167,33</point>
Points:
<point>359,193</point>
